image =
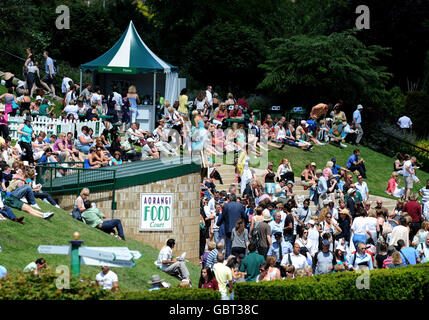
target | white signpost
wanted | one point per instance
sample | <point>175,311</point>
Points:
<point>156,211</point>
<point>120,257</point>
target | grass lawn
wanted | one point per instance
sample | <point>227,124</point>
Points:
<point>379,167</point>
<point>20,242</point>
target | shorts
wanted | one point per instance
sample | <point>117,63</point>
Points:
<point>13,202</point>
<point>48,80</point>
<point>408,182</point>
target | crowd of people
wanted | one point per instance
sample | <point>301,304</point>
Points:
<point>267,232</point>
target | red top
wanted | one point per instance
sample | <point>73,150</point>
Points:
<point>243,103</point>
<point>414,210</point>
<point>234,114</point>
<point>209,285</point>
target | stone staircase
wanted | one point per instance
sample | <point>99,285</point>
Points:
<point>227,173</point>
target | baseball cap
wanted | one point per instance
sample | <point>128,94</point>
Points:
<point>341,247</point>
<point>311,221</point>
<point>291,182</point>
<point>326,242</point>
<point>38,98</point>
<point>304,123</point>
<point>334,160</point>
<point>351,190</point>
<point>359,106</point>
<point>150,140</point>
<point>313,164</point>
<point>278,235</point>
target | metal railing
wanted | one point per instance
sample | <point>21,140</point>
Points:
<point>58,179</point>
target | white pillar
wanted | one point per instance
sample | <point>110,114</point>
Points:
<point>80,88</point>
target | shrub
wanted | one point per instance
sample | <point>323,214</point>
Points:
<point>171,294</point>
<point>407,283</point>
<point>27,286</point>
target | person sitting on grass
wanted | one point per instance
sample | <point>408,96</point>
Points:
<point>12,200</point>
<point>93,217</point>
<point>36,267</point>
<point>8,213</point>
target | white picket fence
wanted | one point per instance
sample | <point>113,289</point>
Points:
<point>54,126</point>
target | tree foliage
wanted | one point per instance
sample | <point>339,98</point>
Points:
<point>312,68</point>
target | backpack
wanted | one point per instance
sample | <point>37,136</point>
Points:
<point>254,237</point>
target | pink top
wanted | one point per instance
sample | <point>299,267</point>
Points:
<point>326,173</point>
<point>391,186</point>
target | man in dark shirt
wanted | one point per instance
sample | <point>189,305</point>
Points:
<point>231,212</point>
<point>414,210</point>
<point>251,263</point>
<point>264,233</point>
<point>288,226</point>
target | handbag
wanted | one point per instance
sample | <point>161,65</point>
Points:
<point>387,228</point>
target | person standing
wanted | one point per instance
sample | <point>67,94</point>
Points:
<point>324,260</point>
<point>223,275</point>
<point>251,263</point>
<point>209,96</point>
<point>414,210</point>
<point>264,235</point>
<point>48,80</point>
<point>409,255</point>
<point>405,123</point>
<point>133,98</point>
<point>231,212</point>
<point>295,258</point>
<point>424,193</point>
<point>360,259</point>
<point>362,187</point>
<point>408,172</point>
<point>357,122</point>
<point>26,131</point>
<point>107,279</point>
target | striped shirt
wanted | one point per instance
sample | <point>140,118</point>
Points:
<point>425,192</point>
<point>211,258</point>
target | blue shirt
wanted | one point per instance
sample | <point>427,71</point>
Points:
<point>274,249</point>
<point>154,288</point>
<point>49,62</point>
<point>357,116</point>
<point>353,158</point>
<point>3,272</point>
<point>335,168</point>
<point>365,258</point>
<point>410,253</point>
<point>211,258</point>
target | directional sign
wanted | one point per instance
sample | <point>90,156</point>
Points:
<point>136,254</point>
<point>98,262</point>
<point>54,249</point>
<point>121,253</point>
<point>96,254</point>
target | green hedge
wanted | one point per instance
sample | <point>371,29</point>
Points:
<point>171,294</point>
<point>406,283</point>
<point>27,286</point>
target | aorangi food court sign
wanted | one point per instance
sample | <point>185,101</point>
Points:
<point>156,211</point>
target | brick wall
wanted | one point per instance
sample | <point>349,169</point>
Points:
<point>186,214</point>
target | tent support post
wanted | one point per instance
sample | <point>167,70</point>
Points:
<point>154,95</point>
<point>80,88</point>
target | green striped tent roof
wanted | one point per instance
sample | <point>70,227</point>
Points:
<point>129,53</point>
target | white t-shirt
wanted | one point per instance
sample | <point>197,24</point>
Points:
<point>404,122</point>
<point>118,99</point>
<point>106,280</point>
<point>363,189</point>
<point>209,97</point>
<point>164,254</point>
<point>72,109</point>
<point>407,164</point>
<point>359,225</point>
<point>298,261</point>
<point>95,97</point>
<point>65,85</point>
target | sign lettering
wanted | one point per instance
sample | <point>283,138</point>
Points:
<point>156,212</point>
